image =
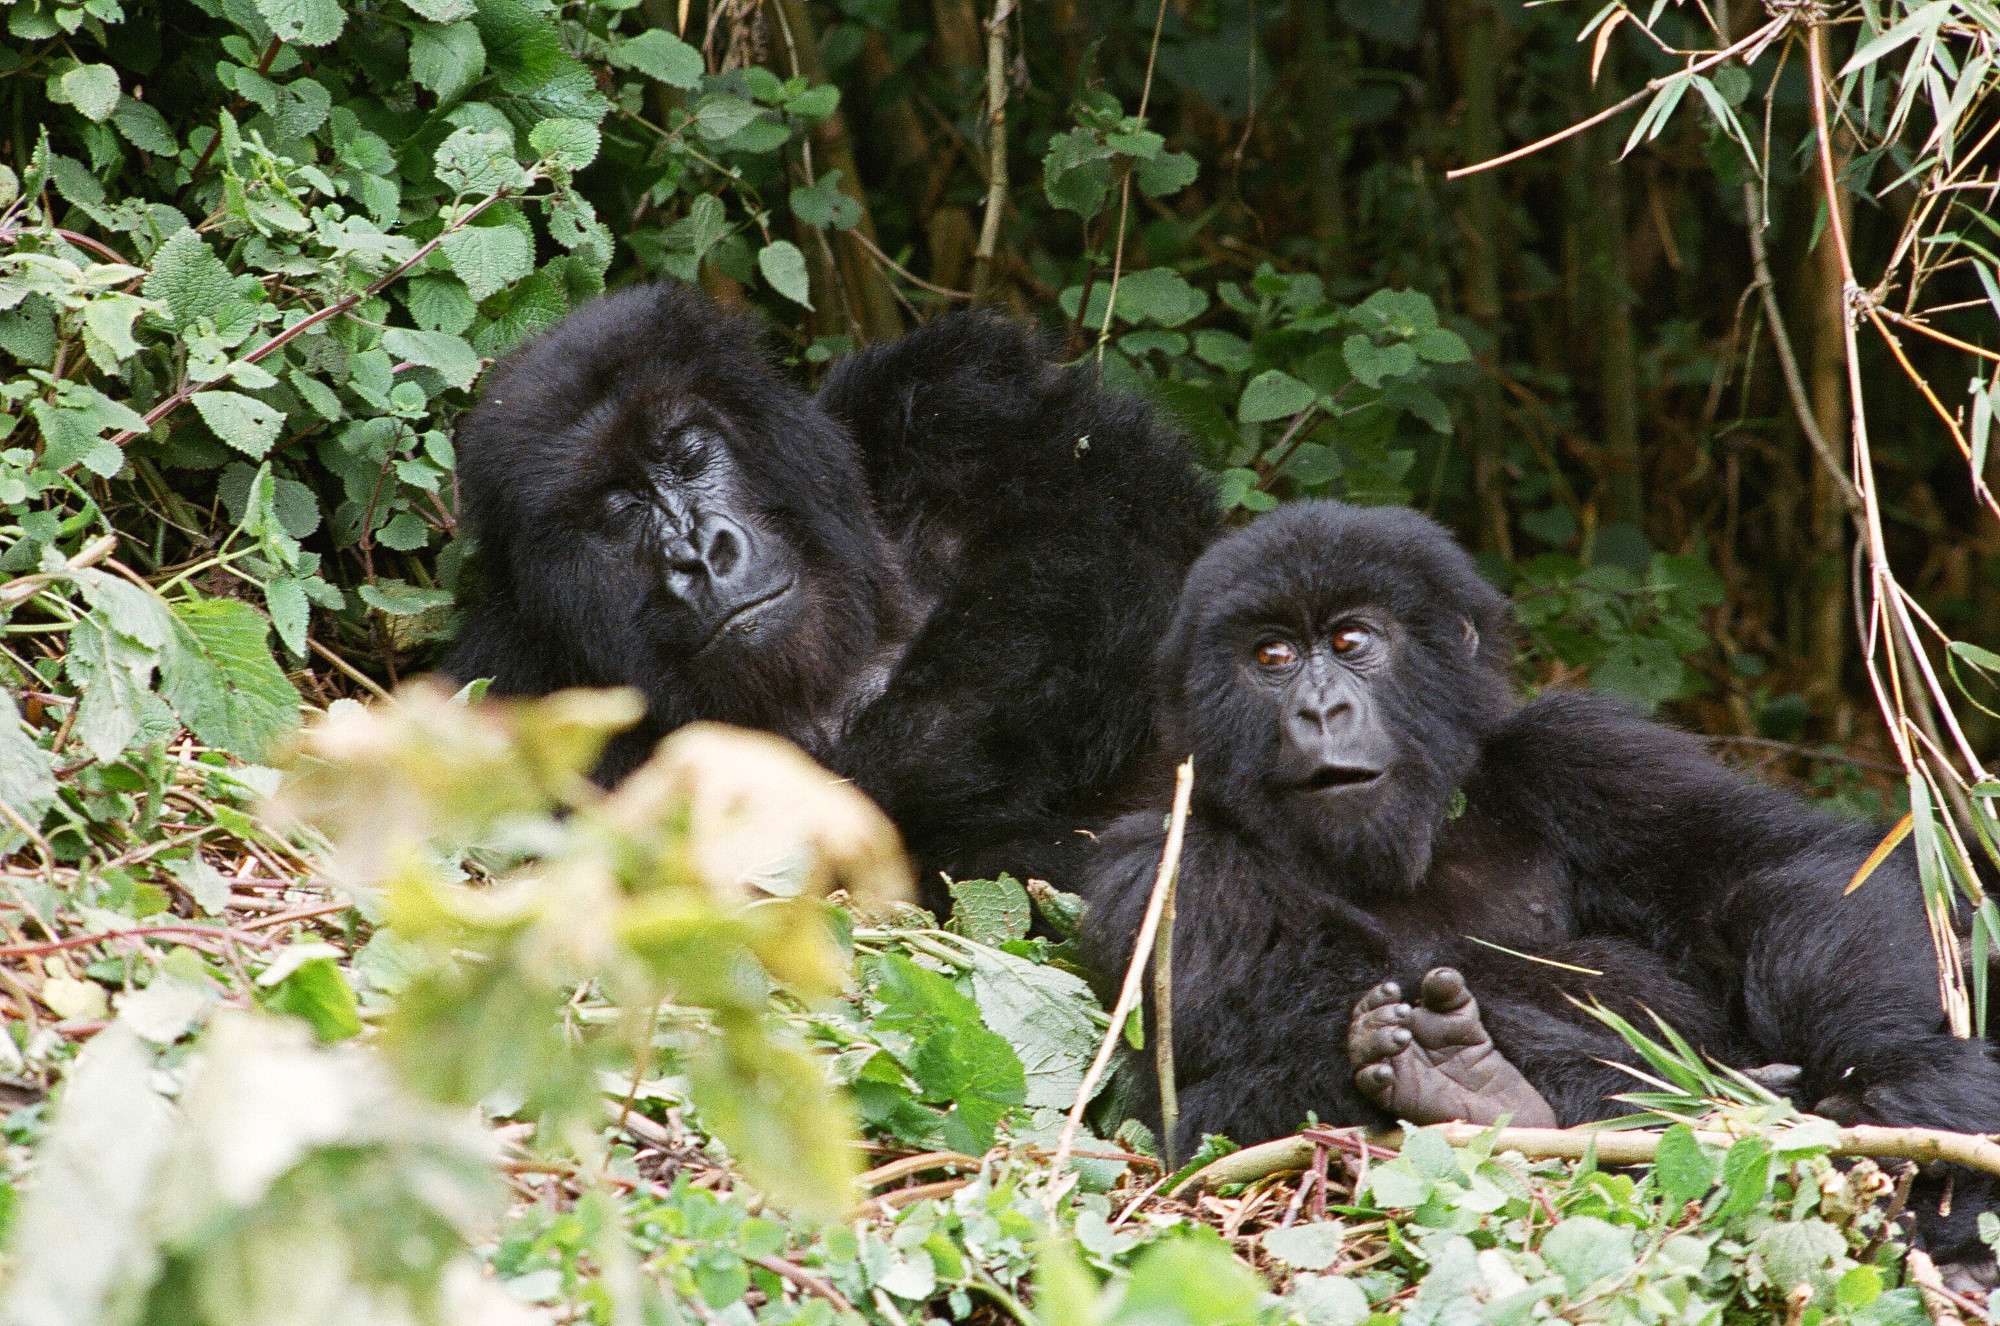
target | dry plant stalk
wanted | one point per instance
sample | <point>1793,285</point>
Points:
<point>1135,973</point>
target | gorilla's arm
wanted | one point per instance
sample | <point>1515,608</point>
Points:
<point>1741,888</point>
<point>1261,1007</point>
<point>1047,525</point>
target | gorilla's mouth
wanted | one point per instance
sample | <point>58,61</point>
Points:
<point>743,614</point>
<point>1337,776</point>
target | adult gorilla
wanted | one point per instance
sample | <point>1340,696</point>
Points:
<point>944,577</point>
<point>1369,796</point>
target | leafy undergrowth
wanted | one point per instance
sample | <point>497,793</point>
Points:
<point>443,1034</point>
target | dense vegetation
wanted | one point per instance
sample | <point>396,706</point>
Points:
<point>1687,379</point>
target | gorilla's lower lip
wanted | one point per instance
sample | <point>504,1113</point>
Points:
<point>1328,779</point>
<point>743,611</point>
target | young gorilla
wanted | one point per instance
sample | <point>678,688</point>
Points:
<point>943,578</point>
<point>1341,676</point>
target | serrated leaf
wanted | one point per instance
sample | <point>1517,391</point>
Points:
<point>439,302</point>
<point>446,58</point>
<point>291,611</point>
<point>1309,1245</point>
<point>571,144</point>
<point>450,355</point>
<point>785,268</point>
<point>204,883</point>
<point>112,672</point>
<point>488,258</point>
<point>190,280</point>
<point>92,89</point>
<point>479,161</point>
<point>405,532</point>
<point>1273,394</point>
<point>443,11</point>
<point>220,678</point>
<point>244,422</point>
<point>1584,1250</point>
<point>1440,345</point>
<point>1169,172</point>
<point>1684,1168</point>
<point>1159,294</point>
<point>722,116</point>
<point>990,911</point>
<point>399,599</point>
<point>1370,363</point>
<point>303,22</point>
<point>660,55</point>
<point>144,127</point>
<point>109,318</point>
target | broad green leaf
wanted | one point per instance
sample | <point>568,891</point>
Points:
<point>244,422</point>
<point>479,161</point>
<point>785,268</point>
<point>571,144</point>
<point>440,303</point>
<point>190,280</point>
<point>108,319</point>
<point>443,11</point>
<point>219,676</point>
<point>1439,345</point>
<point>1585,1250</point>
<point>1044,1014</point>
<point>291,611</point>
<point>1225,350</point>
<point>446,58</point>
<point>660,55</point>
<point>825,204</point>
<point>536,302</point>
<point>1309,1245</point>
<point>303,22</point>
<point>317,991</point>
<point>204,883</point>
<point>1684,1168</point>
<point>27,774</point>
<point>1273,394</point>
<point>990,911</point>
<point>113,673</point>
<point>1159,294</point>
<point>488,258</point>
<point>722,116</point>
<point>92,89</point>
<point>405,532</point>
<point>1370,363</point>
<point>1169,172</point>
<point>400,599</point>
<point>450,355</point>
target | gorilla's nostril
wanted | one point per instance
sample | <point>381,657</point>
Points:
<point>725,550</point>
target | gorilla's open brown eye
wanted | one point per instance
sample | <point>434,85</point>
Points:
<point>1349,640</point>
<point>1276,654</point>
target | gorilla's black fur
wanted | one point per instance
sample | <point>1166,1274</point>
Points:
<point>943,577</point>
<point>1586,835</point>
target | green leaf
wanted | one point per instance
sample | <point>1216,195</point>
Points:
<point>1309,1246</point>
<point>204,883</point>
<point>1273,394</point>
<point>488,258</point>
<point>1684,1168</point>
<point>440,302</point>
<point>113,672</point>
<point>27,773</point>
<point>92,89</point>
<point>317,990</point>
<point>1225,350</point>
<point>450,355</point>
<point>1044,1014</point>
<point>785,268</point>
<point>1439,345</point>
<point>446,58</point>
<point>1159,294</point>
<point>479,161</point>
<point>571,144</point>
<point>660,55</point>
<point>443,11</point>
<point>144,127</point>
<point>190,280</point>
<point>1584,1250</point>
<point>219,676</point>
<point>244,422</point>
<point>1370,363</point>
<point>825,204</point>
<point>303,22</point>
<point>405,532</point>
<point>400,599</point>
<point>990,911</point>
<point>1746,1173</point>
<point>1169,172</point>
<point>1858,1288</point>
<point>291,611</point>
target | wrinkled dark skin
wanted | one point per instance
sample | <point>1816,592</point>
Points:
<point>1372,803</point>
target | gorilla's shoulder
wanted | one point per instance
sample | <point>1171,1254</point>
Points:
<point>972,406</point>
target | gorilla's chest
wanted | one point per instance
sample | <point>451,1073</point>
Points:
<point>1484,883</point>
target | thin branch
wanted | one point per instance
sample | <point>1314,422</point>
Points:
<point>1135,973</point>
<point>1163,1022</point>
<point>1583,126</point>
<point>996,147</point>
<point>1923,1145</point>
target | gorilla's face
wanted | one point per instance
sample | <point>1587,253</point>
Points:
<point>657,509</point>
<point>1332,670</point>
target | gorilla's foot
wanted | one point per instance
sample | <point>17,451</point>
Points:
<point>1433,1061</point>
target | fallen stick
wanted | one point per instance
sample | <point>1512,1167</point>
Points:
<point>1923,1145</point>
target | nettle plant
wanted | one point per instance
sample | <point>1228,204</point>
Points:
<point>232,338</point>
